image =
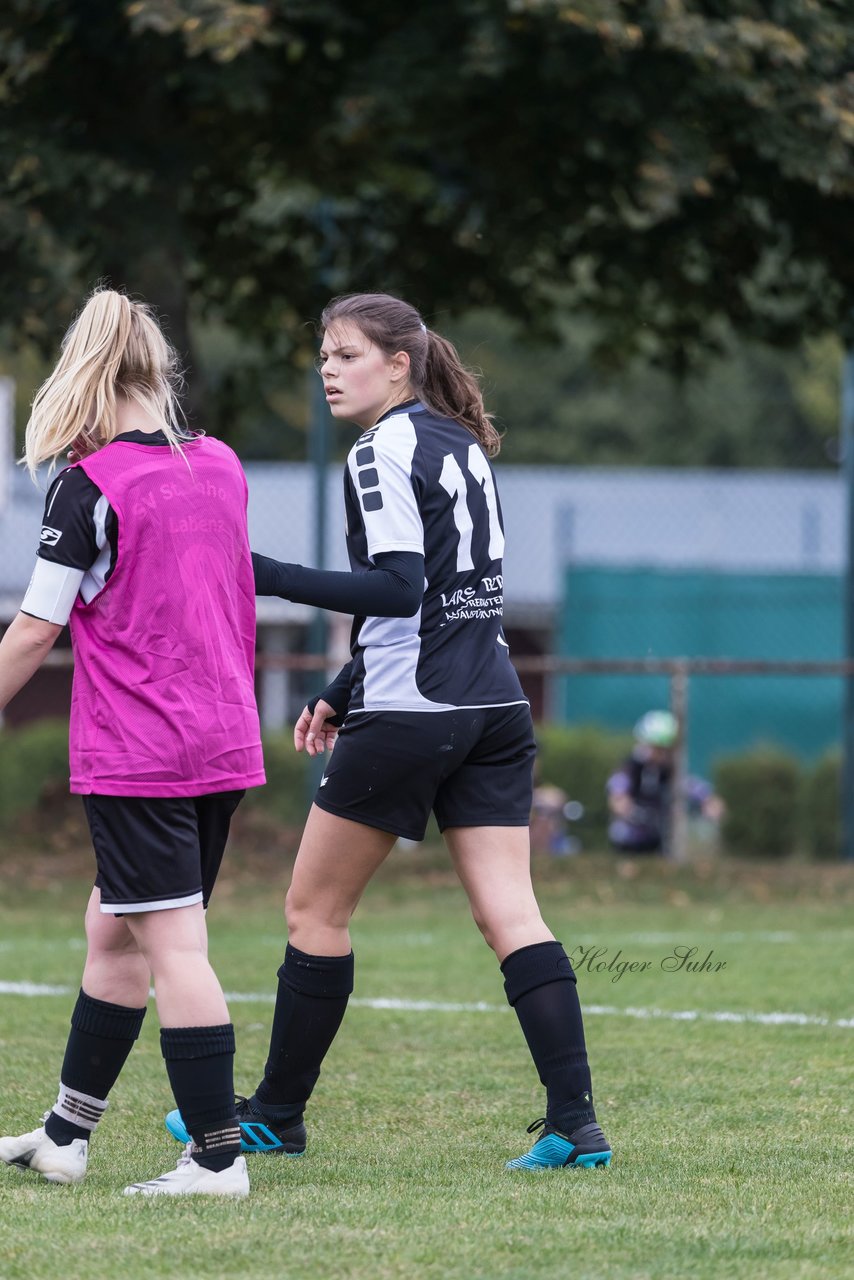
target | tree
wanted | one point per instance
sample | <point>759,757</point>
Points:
<point>751,406</point>
<point>674,168</point>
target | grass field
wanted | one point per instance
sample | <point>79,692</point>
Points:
<point>731,1124</point>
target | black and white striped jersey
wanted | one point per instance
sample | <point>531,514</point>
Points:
<point>421,483</point>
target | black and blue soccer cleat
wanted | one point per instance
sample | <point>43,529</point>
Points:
<point>585,1148</point>
<point>258,1134</point>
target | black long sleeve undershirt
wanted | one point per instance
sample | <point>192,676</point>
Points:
<point>394,588</point>
<point>337,694</point>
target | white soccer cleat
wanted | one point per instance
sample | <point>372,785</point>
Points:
<point>39,1152</point>
<point>192,1179</point>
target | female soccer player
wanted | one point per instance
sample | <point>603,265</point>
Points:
<point>433,717</point>
<point>144,552</point>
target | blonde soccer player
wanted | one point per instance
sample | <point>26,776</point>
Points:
<point>144,555</point>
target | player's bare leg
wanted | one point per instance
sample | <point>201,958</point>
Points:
<point>333,867</point>
<point>186,989</point>
<point>115,969</point>
<point>494,867</point>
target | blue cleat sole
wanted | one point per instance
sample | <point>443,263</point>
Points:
<point>555,1152</point>
<point>256,1138</point>
<point>176,1127</point>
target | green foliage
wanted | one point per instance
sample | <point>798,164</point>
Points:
<point>760,791</point>
<point>674,170</point>
<point>33,759</point>
<point>34,763</point>
<point>773,807</point>
<point>289,782</point>
<point>748,406</point>
<point>822,821</point>
<point>222,29</point>
<point>580,760</point>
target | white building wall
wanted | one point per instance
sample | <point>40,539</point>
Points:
<point>783,522</point>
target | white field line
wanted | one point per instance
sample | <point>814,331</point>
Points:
<point>650,937</point>
<point>733,936</point>
<point>32,989</point>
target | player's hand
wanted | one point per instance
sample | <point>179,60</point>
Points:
<point>312,732</point>
<point>714,808</point>
<point>621,805</point>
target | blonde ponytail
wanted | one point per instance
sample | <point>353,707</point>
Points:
<point>115,347</point>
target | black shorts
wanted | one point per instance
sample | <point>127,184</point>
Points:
<point>154,853</point>
<point>472,767</point>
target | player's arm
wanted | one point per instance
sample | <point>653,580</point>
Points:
<point>23,649</point>
<point>618,789</point>
<point>393,588</point>
<point>74,533</point>
<point>67,548</point>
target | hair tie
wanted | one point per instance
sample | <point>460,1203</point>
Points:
<point>423,326</point>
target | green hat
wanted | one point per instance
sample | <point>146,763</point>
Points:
<point>657,729</point>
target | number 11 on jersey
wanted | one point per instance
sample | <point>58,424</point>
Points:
<point>453,482</point>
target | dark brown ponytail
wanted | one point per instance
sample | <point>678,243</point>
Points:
<point>436,372</point>
<point>454,391</point>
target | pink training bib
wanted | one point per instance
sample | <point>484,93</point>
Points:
<point>163,700</point>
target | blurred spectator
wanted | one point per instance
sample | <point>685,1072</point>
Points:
<point>639,792</point>
<point>552,810</point>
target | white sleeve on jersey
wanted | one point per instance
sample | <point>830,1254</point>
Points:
<point>52,591</point>
<point>383,482</point>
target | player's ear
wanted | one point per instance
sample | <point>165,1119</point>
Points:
<point>399,362</point>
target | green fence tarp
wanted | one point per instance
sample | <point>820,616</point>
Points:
<point>654,613</point>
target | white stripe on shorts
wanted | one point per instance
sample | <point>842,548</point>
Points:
<point>163,904</point>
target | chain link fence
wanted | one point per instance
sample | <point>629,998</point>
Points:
<point>602,566</point>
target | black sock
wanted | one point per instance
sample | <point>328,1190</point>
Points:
<point>101,1037</point>
<point>310,1004</point>
<point>540,985</point>
<point>200,1065</point>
